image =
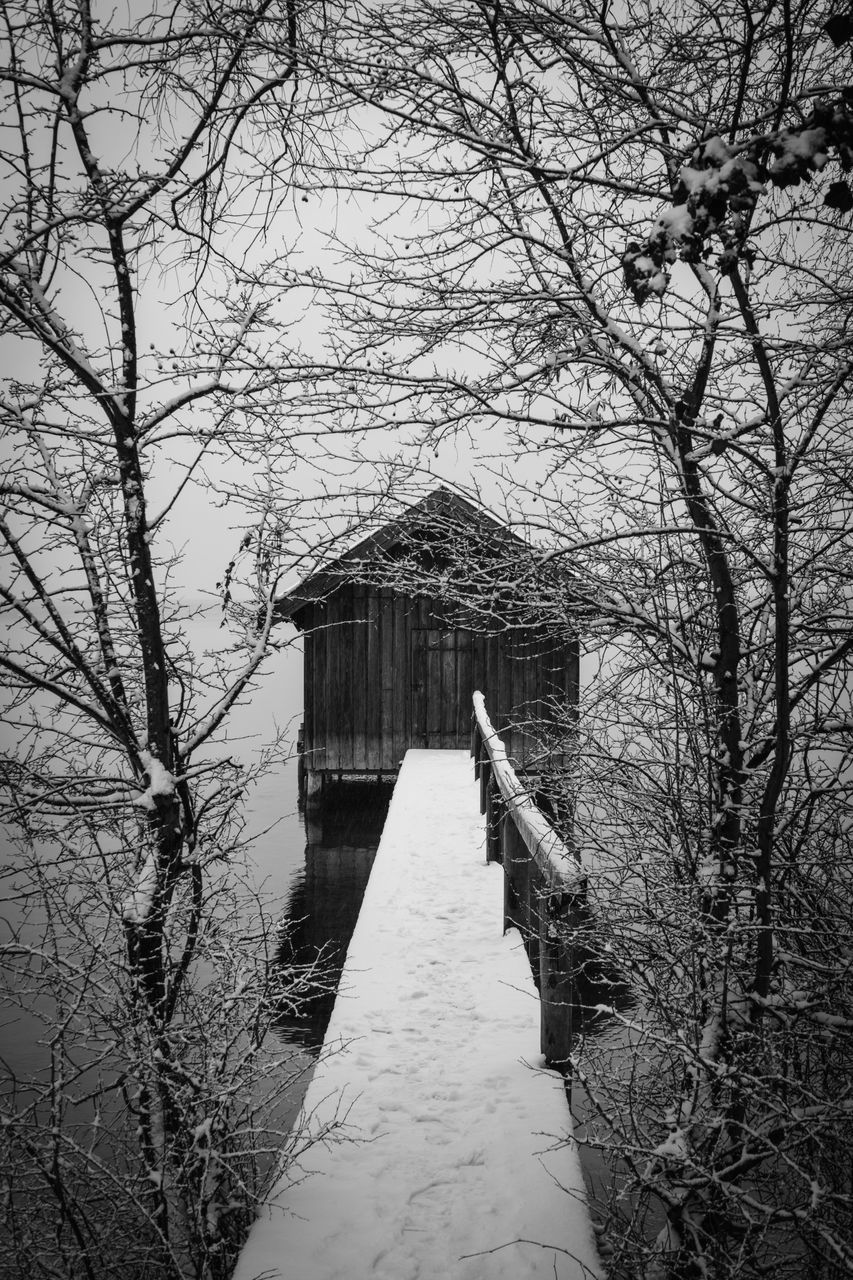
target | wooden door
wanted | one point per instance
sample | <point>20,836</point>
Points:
<point>442,684</point>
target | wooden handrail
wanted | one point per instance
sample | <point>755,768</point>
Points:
<point>559,866</point>
<point>544,887</point>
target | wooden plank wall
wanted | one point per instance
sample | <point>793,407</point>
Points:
<point>360,708</point>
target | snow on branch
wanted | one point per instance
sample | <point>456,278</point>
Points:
<point>42,318</point>
<point>722,180</point>
<point>42,497</point>
<point>160,781</point>
<point>137,906</point>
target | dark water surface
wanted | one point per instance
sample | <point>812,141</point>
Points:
<point>325,898</point>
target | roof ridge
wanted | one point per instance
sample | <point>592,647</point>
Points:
<point>322,580</point>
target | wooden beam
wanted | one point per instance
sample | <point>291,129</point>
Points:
<point>559,867</point>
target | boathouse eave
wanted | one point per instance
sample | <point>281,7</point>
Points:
<point>441,503</point>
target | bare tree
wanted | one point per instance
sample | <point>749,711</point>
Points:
<point>143,156</point>
<point>612,251</point>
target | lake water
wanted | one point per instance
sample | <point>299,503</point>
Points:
<point>311,869</point>
<point>275,831</point>
<point>325,897</point>
<point>310,876</point>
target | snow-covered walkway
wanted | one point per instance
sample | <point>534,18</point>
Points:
<point>456,1164</point>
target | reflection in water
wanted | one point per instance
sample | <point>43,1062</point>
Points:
<point>603,1004</point>
<point>614,1054</point>
<point>324,902</point>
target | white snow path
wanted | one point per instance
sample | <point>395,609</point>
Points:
<point>459,1145</point>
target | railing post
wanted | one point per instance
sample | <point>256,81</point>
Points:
<point>543,890</point>
<point>557,916</point>
<point>494,807</point>
<point>535,898</point>
<point>485,779</point>
<point>518,867</point>
<point>511,851</point>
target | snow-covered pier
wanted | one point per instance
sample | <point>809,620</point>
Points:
<point>449,1154</point>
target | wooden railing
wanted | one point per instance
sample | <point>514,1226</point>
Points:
<point>544,888</point>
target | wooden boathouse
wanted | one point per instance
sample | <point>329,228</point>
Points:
<point>402,628</point>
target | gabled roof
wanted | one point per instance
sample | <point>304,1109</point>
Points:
<point>443,526</point>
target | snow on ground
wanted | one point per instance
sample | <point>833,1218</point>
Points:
<point>455,1163</point>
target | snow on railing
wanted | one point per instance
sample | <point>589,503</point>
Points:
<point>544,887</point>
<point>552,856</point>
